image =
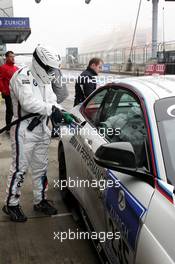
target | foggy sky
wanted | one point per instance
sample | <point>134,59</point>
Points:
<point>66,23</point>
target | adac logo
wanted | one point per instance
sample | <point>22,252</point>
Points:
<point>121,200</point>
<point>35,82</point>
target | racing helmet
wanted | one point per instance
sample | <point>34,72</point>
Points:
<point>44,63</point>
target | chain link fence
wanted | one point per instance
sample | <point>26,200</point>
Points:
<point>118,58</point>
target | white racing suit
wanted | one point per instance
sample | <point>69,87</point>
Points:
<point>29,147</point>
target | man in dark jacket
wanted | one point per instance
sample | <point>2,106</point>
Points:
<point>86,82</point>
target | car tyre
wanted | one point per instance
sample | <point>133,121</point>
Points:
<point>66,195</point>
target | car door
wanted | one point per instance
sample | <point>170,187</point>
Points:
<point>94,136</point>
<point>126,206</point>
<point>81,141</point>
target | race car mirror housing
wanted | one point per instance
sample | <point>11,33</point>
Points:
<point>120,156</point>
<point>116,156</point>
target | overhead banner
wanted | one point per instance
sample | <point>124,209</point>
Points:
<point>14,22</point>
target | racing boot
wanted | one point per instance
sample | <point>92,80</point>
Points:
<point>15,213</point>
<point>45,207</point>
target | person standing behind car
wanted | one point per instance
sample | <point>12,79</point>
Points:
<point>6,72</point>
<point>60,89</point>
<point>86,82</point>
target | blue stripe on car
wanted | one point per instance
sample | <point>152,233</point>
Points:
<point>128,219</point>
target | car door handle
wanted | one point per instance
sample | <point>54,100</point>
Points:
<point>88,142</point>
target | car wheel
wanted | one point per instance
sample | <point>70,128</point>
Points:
<point>66,195</point>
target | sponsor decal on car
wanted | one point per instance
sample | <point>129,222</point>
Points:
<point>125,210</point>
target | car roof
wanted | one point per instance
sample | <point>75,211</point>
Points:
<point>156,86</point>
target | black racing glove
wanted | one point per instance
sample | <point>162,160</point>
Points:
<point>56,116</point>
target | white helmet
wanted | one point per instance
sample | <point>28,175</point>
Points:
<point>44,63</point>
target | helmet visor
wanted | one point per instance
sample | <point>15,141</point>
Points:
<point>50,72</point>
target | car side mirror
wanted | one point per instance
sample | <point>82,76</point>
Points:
<point>116,156</point>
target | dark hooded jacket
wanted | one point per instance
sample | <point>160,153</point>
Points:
<point>85,85</point>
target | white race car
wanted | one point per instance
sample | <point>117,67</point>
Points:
<point>122,162</point>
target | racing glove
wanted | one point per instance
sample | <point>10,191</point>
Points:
<point>56,116</point>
